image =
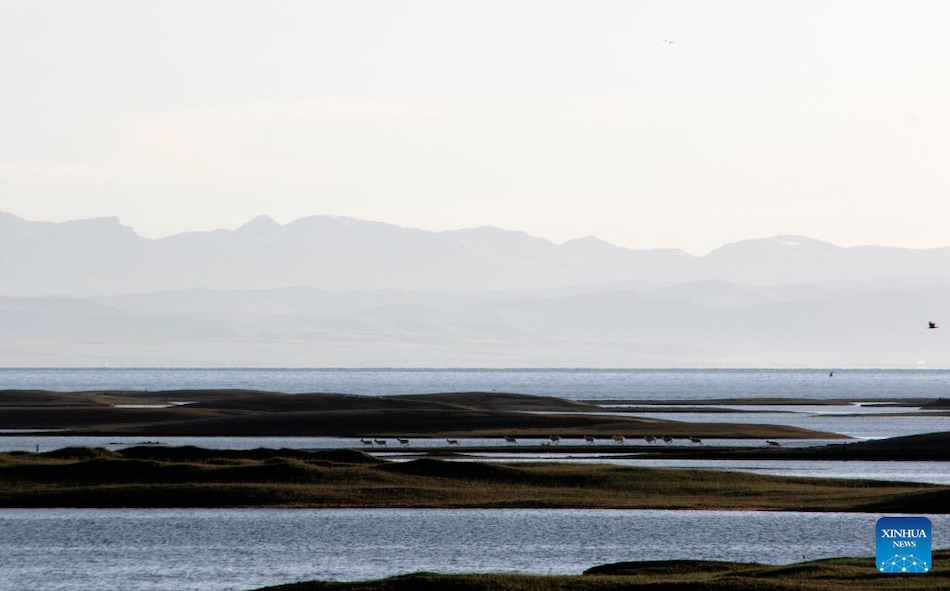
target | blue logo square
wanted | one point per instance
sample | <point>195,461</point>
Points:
<point>904,545</point>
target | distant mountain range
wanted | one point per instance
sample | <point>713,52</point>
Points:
<point>329,291</point>
<point>101,256</point>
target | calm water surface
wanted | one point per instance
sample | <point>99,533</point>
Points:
<point>585,384</point>
<point>219,550</point>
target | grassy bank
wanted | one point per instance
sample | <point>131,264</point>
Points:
<point>197,413</point>
<point>817,575</point>
<point>194,477</point>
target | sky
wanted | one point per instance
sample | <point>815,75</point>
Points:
<point>684,124</point>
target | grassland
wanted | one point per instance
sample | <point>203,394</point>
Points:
<point>816,575</point>
<point>238,413</point>
<point>151,476</point>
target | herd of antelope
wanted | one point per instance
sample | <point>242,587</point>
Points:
<point>555,440</point>
<point>382,442</point>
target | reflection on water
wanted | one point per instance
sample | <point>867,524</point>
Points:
<point>219,550</point>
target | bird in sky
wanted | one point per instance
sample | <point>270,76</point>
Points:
<point>932,325</point>
<point>669,41</point>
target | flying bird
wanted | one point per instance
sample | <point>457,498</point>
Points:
<point>669,41</point>
<point>932,325</point>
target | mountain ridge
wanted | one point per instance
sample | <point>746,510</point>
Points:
<point>101,256</point>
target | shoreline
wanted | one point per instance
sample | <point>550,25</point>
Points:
<point>157,476</point>
<point>694,575</point>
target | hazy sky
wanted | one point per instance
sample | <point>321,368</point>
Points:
<point>562,119</point>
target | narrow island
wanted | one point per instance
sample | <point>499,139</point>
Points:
<point>159,476</point>
<point>248,413</point>
<point>672,575</point>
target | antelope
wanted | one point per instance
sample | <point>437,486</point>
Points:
<point>509,440</point>
<point>649,439</point>
<point>452,441</point>
<point>773,443</point>
<point>667,439</point>
<point>403,442</point>
<point>696,440</point>
<point>554,439</point>
<point>619,439</point>
<point>588,439</point>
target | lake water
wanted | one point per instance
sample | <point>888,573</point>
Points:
<point>581,384</point>
<point>222,550</point>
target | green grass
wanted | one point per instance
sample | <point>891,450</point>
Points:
<point>195,477</point>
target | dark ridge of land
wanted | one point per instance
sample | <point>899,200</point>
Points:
<point>156,476</point>
<point>112,397</point>
<point>485,401</point>
<point>503,401</point>
<point>453,423</point>
<point>254,413</point>
<point>771,401</point>
<point>926,446</point>
<point>815,575</point>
